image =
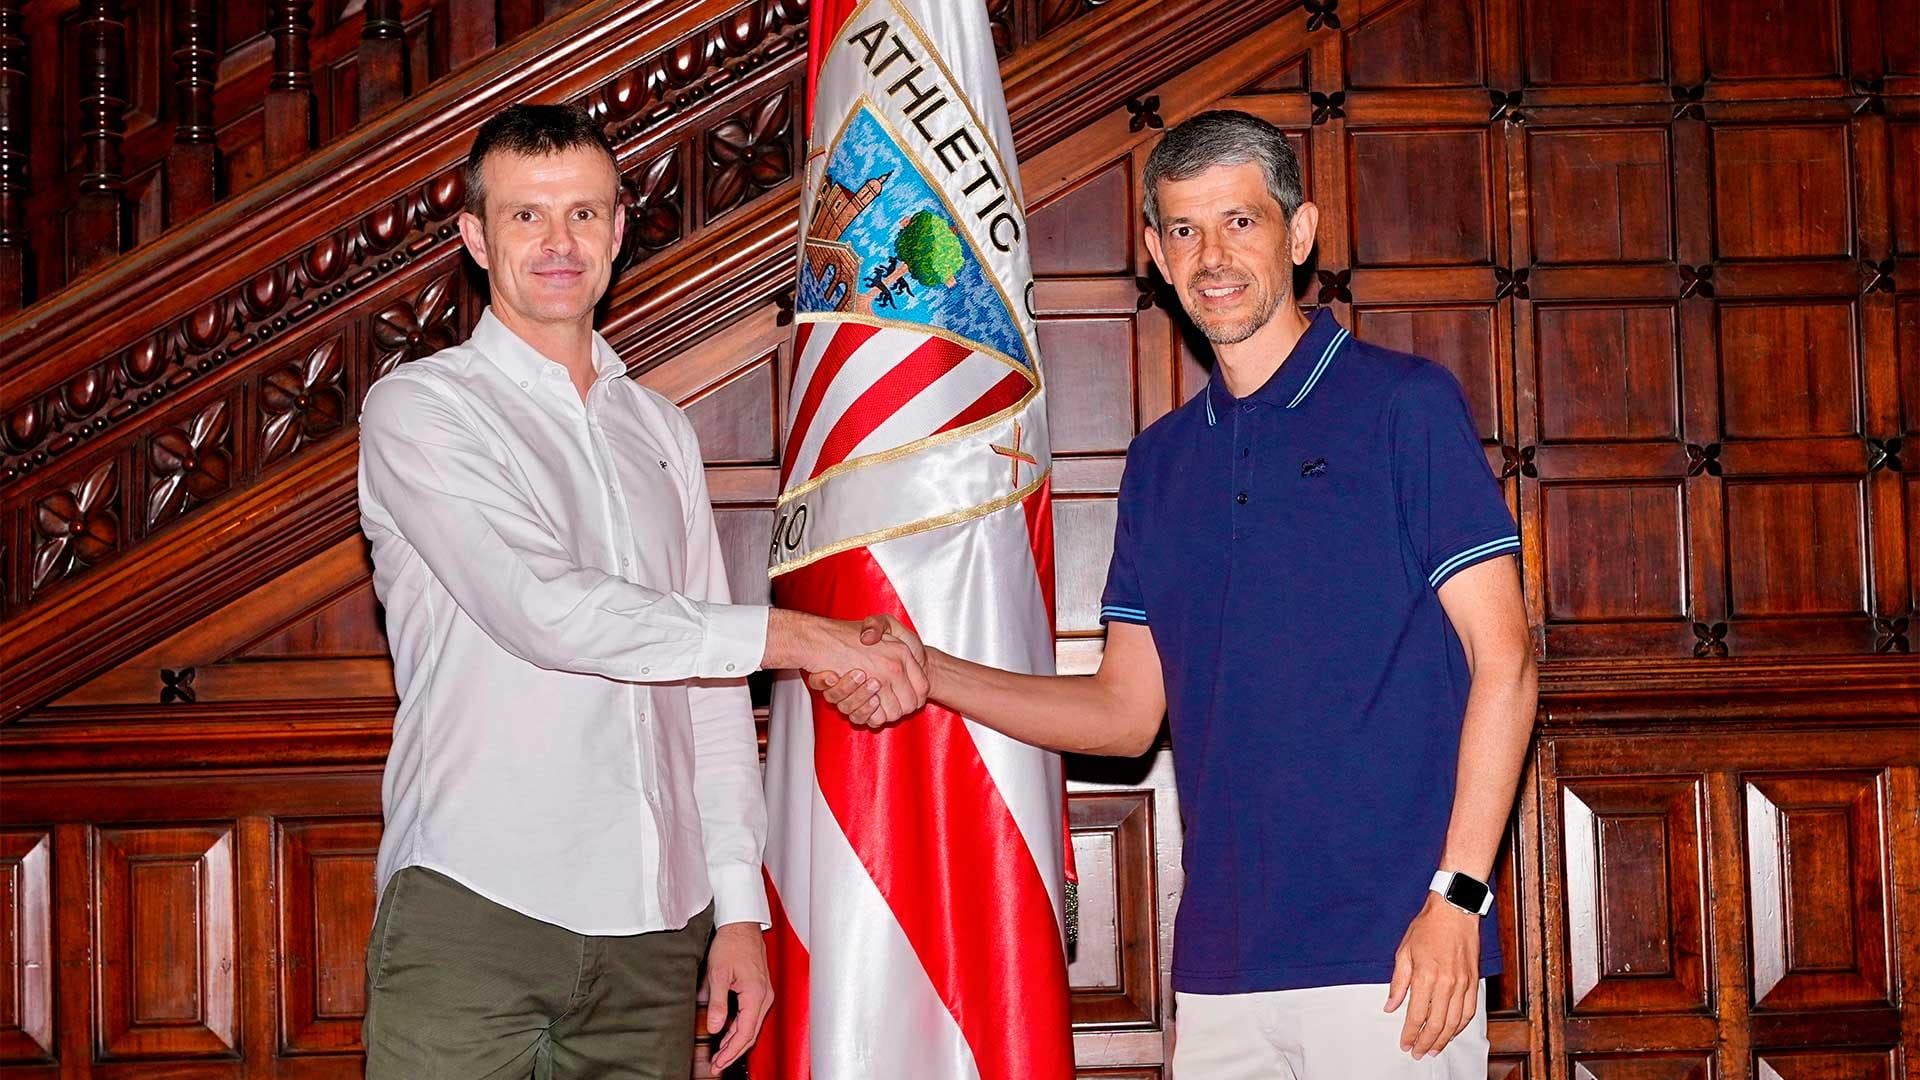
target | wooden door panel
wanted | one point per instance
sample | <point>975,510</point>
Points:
<point>1865,1065</point>
<point>1817,885</point>
<point>1422,43</point>
<point>1601,195</point>
<point>1771,39</point>
<point>1558,43</point>
<point>1788,370</point>
<point>1607,373</point>
<point>1088,229</point>
<point>1796,549</point>
<point>1636,925</point>
<point>1782,192</point>
<point>327,903</point>
<point>1421,198</point>
<point>26,945</point>
<point>1649,1066</point>
<point>1615,552</point>
<point>166,970</point>
<point>1112,969</point>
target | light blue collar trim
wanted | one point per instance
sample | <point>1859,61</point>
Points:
<point>1319,368</point>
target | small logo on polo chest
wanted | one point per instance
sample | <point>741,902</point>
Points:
<point>1314,467</point>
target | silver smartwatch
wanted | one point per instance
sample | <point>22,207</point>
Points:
<point>1469,894</point>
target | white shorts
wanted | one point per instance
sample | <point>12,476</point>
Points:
<point>1322,1033</point>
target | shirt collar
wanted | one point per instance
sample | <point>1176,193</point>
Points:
<point>1296,377</point>
<point>524,364</point>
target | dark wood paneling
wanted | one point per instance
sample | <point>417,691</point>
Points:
<point>1600,195</point>
<point>26,945</point>
<point>1781,191</point>
<point>1671,273</point>
<point>1817,887</point>
<point>166,901</point>
<point>326,912</point>
<point>1636,925</point>
<point>1113,973</point>
<point>1395,221</point>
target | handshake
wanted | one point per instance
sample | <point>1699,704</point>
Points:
<point>874,671</point>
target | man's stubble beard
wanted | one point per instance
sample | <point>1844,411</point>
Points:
<point>1236,332</point>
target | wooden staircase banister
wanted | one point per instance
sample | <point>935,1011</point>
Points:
<point>411,151</point>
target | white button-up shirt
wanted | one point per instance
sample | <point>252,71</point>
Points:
<point>574,739</point>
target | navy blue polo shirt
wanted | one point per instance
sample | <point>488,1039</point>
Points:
<point>1286,549</point>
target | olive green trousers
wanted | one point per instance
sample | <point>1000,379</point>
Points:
<point>462,988</point>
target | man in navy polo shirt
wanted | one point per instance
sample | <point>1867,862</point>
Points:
<point>1313,578</point>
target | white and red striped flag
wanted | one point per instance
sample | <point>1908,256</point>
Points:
<point>918,872</point>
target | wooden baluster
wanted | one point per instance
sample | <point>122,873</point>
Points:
<point>474,30</point>
<point>289,106</point>
<point>100,221</point>
<point>13,159</point>
<point>193,159</point>
<point>383,57</point>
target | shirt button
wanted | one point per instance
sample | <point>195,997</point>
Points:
<point>1246,406</point>
<point>729,667</point>
<point>523,384</point>
<point>1241,498</point>
<point>646,671</point>
<point>1245,452</point>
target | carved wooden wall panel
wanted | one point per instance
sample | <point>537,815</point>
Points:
<point>326,906</point>
<point>165,900</point>
<point>1675,277</point>
<point>1740,909</point>
<point>26,934</point>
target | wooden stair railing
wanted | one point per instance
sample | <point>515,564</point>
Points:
<point>249,88</point>
<point>163,447</point>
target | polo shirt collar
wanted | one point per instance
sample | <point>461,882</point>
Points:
<point>524,364</point>
<point>1296,377</point>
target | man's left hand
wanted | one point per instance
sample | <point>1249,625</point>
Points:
<point>1436,973</point>
<point>737,962</point>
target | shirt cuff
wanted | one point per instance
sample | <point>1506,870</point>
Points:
<point>1122,613</point>
<point>739,895</point>
<point>736,640</point>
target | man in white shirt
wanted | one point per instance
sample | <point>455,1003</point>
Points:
<point>573,799</point>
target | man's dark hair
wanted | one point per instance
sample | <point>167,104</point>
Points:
<point>1222,137</point>
<point>531,131</point>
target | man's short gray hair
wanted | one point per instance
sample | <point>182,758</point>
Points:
<point>1222,137</point>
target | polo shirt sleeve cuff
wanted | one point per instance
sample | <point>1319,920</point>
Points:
<point>1461,556</point>
<point>735,640</point>
<point>1122,613</point>
<point>739,895</point>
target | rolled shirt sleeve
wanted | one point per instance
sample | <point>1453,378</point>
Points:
<point>1452,510</point>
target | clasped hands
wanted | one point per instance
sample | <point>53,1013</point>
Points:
<point>881,679</point>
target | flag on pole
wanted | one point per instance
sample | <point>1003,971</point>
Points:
<point>917,872</point>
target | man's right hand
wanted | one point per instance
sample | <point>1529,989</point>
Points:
<point>891,667</point>
<point>859,697</point>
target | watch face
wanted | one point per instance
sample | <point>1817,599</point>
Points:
<point>1467,893</point>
